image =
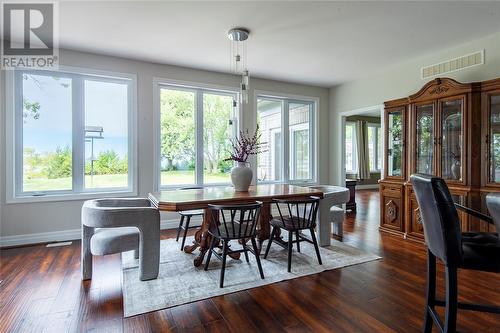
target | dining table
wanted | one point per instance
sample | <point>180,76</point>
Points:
<point>192,199</point>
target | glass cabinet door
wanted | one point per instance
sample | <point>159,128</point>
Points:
<point>395,143</point>
<point>424,150</point>
<point>494,138</point>
<point>451,139</point>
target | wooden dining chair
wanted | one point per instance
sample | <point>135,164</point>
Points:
<point>186,216</point>
<point>300,215</point>
<point>233,222</point>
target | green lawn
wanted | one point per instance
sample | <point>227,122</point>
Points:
<point>187,177</point>
<point>98,181</point>
<point>120,180</point>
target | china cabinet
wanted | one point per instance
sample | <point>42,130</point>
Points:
<point>448,129</point>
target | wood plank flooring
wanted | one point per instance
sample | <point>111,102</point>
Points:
<point>42,292</point>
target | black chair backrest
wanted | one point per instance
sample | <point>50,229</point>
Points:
<point>234,221</point>
<point>299,213</point>
<point>439,218</point>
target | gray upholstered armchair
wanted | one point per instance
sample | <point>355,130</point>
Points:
<point>119,225</point>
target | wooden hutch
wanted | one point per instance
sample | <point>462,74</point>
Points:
<point>448,129</point>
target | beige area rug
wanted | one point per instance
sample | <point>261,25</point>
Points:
<point>179,282</point>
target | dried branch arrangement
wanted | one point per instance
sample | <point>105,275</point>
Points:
<point>245,146</point>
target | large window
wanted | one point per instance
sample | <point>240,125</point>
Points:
<point>287,128</point>
<point>351,165</point>
<point>71,133</point>
<point>196,126</point>
<point>375,147</point>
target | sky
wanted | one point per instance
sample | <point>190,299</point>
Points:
<point>105,105</point>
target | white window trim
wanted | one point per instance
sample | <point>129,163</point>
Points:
<point>287,98</point>
<point>354,171</point>
<point>12,195</point>
<point>158,83</point>
<point>375,148</point>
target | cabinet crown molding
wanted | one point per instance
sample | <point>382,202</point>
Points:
<point>442,87</point>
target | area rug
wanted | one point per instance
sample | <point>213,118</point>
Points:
<point>179,282</point>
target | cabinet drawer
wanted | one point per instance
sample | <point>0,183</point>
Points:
<point>394,190</point>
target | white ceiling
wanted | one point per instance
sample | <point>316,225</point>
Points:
<point>319,43</point>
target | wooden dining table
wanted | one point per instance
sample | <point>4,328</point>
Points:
<point>190,199</point>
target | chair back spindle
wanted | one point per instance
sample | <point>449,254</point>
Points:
<point>302,213</point>
<point>234,221</point>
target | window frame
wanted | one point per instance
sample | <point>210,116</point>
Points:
<point>286,161</point>
<point>354,170</point>
<point>14,134</point>
<point>199,89</point>
<point>376,151</point>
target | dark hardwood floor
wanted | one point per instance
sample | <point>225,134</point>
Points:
<point>42,292</point>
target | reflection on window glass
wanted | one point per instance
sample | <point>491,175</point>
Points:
<point>47,133</point>
<point>425,139</point>
<point>451,139</point>
<point>178,158</point>
<point>299,118</point>
<point>495,138</point>
<point>106,130</point>
<point>269,162</point>
<point>394,143</point>
<point>217,131</point>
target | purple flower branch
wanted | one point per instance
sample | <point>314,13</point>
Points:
<point>245,146</point>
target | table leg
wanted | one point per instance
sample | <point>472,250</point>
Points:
<point>201,239</point>
<point>264,228</point>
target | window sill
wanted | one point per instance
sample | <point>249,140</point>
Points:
<point>69,197</point>
<point>297,183</point>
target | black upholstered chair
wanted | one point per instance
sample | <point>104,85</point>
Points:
<point>233,222</point>
<point>300,214</point>
<point>186,216</point>
<point>475,251</point>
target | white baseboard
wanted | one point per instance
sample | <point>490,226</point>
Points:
<point>367,187</point>
<point>42,237</point>
<point>66,235</point>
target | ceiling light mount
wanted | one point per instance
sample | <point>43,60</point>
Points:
<point>238,34</point>
<point>238,59</point>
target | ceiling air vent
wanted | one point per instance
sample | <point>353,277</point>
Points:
<point>457,64</point>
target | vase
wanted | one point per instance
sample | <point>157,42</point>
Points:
<point>241,176</point>
<point>456,170</point>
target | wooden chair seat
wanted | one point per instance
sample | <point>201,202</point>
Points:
<point>292,223</point>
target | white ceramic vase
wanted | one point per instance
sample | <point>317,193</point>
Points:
<point>241,176</point>
<point>456,170</point>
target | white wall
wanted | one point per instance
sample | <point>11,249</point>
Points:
<point>402,80</point>
<point>59,220</point>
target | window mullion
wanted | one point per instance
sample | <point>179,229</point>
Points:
<point>286,141</point>
<point>78,113</point>
<point>312,146</point>
<point>199,137</point>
